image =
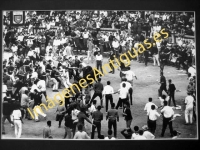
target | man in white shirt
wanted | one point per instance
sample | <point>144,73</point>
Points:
<point>4,89</point>
<point>140,136</point>
<point>20,37</point>
<point>56,43</point>
<point>179,41</point>
<point>25,100</point>
<point>99,59</point>
<point>14,48</point>
<point>34,86</point>
<point>189,102</point>
<point>167,113</point>
<point>98,25</point>
<point>115,45</point>
<point>17,119</point>
<point>108,91</point>
<point>123,95</point>
<point>129,75</point>
<point>42,65</point>
<point>48,48</point>
<point>29,42</point>
<point>152,117</point>
<point>129,38</point>
<point>83,64</point>
<point>135,134</point>
<point>148,105</point>
<point>34,75</point>
<point>147,134</point>
<point>93,107</point>
<point>129,28</point>
<point>129,88</point>
<point>85,37</point>
<point>30,53</point>
<point>192,71</point>
<point>147,108</point>
<point>106,40</point>
<point>41,84</point>
<point>49,56</point>
<point>80,134</point>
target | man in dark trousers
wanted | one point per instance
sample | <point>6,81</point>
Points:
<point>171,91</point>
<point>18,85</point>
<point>112,117</point>
<point>77,63</point>
<point>162,60</point>
<point>127,134</point>
<point>108,91</point>
<point>111,58</point>
<point>98,89</point>
<point>167,113</point>
<point>163,85</point>
<point>98,117</point>
<point>7,110</point>
<point>146,57</point>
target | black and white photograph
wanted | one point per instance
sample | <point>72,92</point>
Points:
<point>99,75</point>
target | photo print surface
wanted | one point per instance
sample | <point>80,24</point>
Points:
<point>99,74</point>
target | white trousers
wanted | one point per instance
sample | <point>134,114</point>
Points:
<point>55,83</point>
<point>18,128</point>
<point>38,112</point>
<point>155,59</point>
<point>90,56</point>
<point>66,83</point>
<point>188,113</point>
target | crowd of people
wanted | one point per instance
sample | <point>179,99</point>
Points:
<point>43,55</point>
